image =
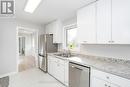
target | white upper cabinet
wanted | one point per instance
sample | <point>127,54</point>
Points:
<point>121,21</point>
<point>49,28</point>
<point>86,24</point>
<point>56,29</point>
<point>104,21</point>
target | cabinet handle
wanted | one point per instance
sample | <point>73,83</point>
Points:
<point>76,68</point>
<point>105,85</point>
<point>84,41</point>
<point>112,41</point>
<point>109,41</point>
<point>58,64</point>
<point>108,77</point>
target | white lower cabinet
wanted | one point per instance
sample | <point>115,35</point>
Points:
<point>67,73</point>
<point>59,72</point>
<point>51,66</point>
<point>58,68</point>
<point>103,79</point>
<point>101,83</point>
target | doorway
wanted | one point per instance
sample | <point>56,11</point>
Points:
<point>21,46</point>
<point>27,48</point>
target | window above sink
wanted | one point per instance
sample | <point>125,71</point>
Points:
<point>70,37</point>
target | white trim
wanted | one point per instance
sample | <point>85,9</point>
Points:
<point>74,24</point>
<point>27,29</point>
<point>17,48</point>
<point>8,74</point>
<point>64,33</point>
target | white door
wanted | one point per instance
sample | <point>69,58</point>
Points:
<point>121,21</point>
<point>86,19</point>
<point>104,21</point>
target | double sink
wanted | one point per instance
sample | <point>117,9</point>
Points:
<point>65,55</point>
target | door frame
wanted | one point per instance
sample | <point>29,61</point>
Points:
<point>35,31</point>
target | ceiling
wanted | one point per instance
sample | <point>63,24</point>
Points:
<point>49,10</point>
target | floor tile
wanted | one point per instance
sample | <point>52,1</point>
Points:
<point>33,78</point>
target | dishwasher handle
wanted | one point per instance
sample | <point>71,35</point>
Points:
<point>76,68</point>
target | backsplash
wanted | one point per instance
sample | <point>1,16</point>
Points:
<point>113,51</point>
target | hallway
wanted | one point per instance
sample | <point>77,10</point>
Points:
<point>26,62</point>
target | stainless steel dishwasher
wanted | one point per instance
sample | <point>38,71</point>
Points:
<point>79,76</point>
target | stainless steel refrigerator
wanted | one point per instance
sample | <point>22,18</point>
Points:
<point>46,45</point>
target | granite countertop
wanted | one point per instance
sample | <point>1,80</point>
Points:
<point>114,66</point>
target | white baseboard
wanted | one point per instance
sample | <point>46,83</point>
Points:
<point>8,74</point>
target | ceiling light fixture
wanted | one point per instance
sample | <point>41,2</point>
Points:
<point>31,5</point>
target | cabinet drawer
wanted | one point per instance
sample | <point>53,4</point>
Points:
<point>60,73</point>
<point>101,75</point>
<point>60,61</point>
<point>110,78</point>
<point>101,83</point>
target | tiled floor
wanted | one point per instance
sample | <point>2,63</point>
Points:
<point>33,78</point>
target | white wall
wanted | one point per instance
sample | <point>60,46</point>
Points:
<point>7,46</point>
<point>70,21</point>
<point>8,43</point>
<point>28,25</point>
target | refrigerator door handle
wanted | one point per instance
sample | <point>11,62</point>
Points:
<point>41,55</point>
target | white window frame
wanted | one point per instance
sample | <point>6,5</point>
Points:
<point>65,28</point>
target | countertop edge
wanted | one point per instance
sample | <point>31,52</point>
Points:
<point>84,64</point>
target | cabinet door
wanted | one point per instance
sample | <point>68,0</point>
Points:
<point>52,66</point>
<point>56,68</point>
<point>60,72</point>
<point>49,65</point>
<point>55,28</point>
<point>103,21</point>
<point>95,82</point>
<point>86,19</point>
<point>66,73</point>
<point>121,21</point>
<point>58,31</point>
<point>49,28</point>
